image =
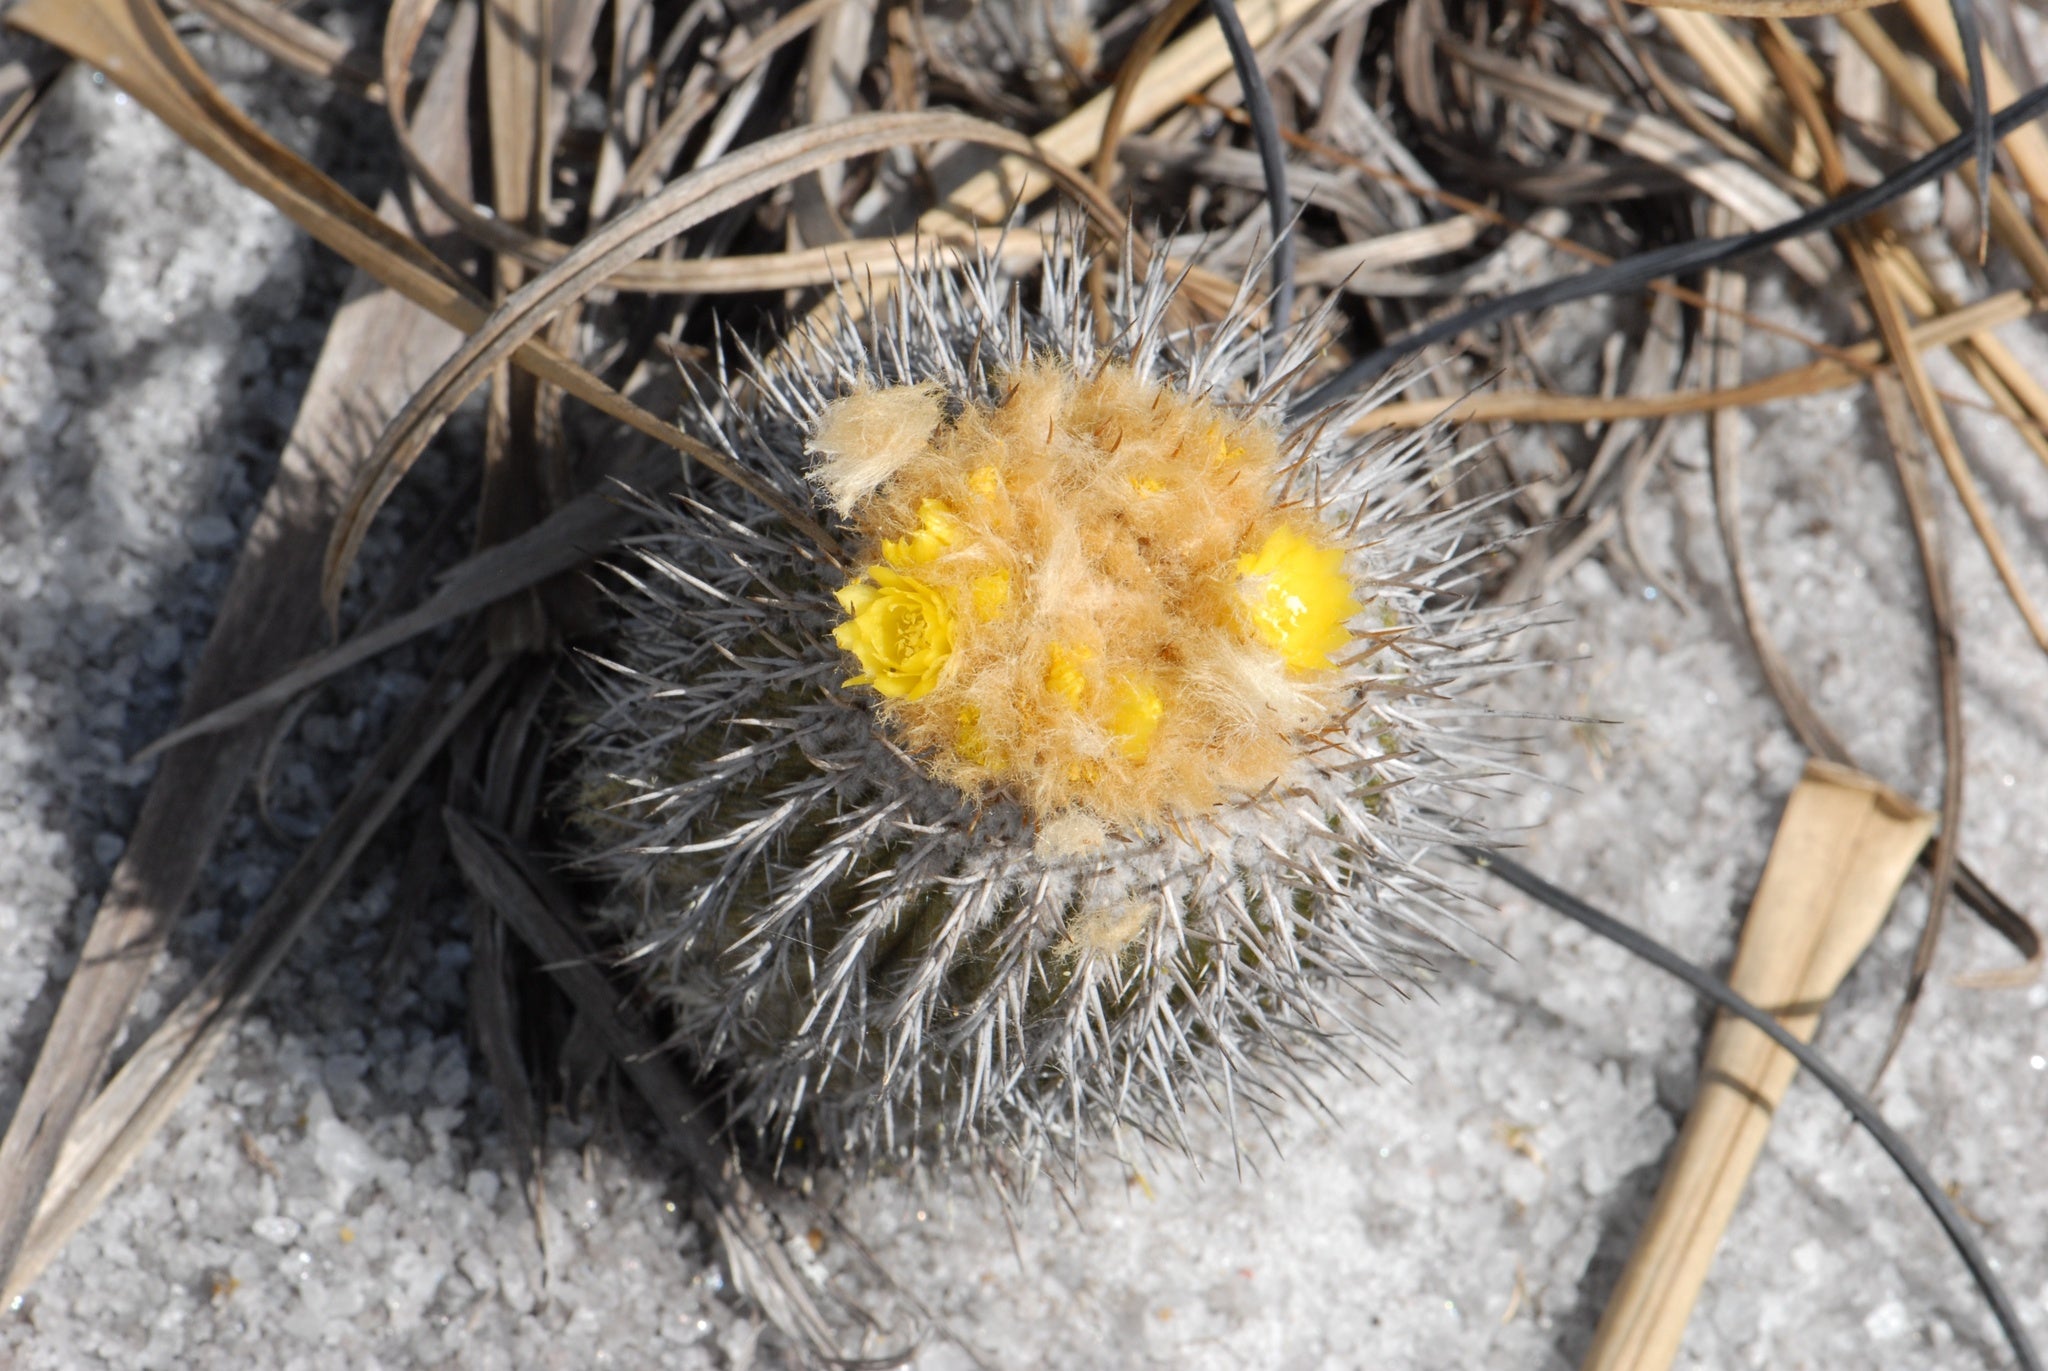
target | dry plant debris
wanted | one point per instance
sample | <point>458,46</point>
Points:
<point>647,176</point>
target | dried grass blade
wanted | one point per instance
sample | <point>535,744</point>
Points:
<point>2009,924</point>
<point>1104,164</point>
<point>2013,391</point>
<point>584,528</point>
<point>516,64</point>
<point>121,1120</point>
<point>298,43</point>
<point>377,350</point>
<point>1988,359</point>
<point>1726,445</point>
<point>1685,102</point>
<point>1189,64</point>
<point>1658,364</point>
<point>509,235</point>
<point>1765,9</point>
<point>496,787</point>
<point>1925,406</point>
<point>1567,245</point>
<point>1757,202</point>
<point>1898,412</point>
<point>1744,80</point>
<point>1828,373</point>
<point>2028,146</point>
<point>1342,266</point>
<point>734,67</point>
<point>834,60</point>
<point>133,41</point>
<point>134,44</point>
<point>677,207</point>
<point>2009,223</point>
<point>861,259</point>
<point>28,71</point>
<point>518,40</point>
<point>494,1025</point>
<point>1135,64</point>
<point>630,96</point>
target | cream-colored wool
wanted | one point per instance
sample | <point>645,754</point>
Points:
<point>862,444</point>
<point>1132,627</point>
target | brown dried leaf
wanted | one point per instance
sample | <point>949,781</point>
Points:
<point>1755,200</point>
<point>1767,9</point>
<point>680,205</point>
<point>299,44</point>
<point>1855,365</point>
<point>1843,848</point>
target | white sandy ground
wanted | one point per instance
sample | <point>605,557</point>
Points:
<point>335,1192</point>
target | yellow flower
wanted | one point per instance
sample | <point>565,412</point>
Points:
<point>900,629</point>
<point>970,742</point>
<point>991,593</point>
<point>937,530</point>
<point>1063,673</point>
<point>1136,717</point>
<point>1299,598</point>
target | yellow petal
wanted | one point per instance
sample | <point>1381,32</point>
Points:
<point>937,530</point>
<point>1299,598</point>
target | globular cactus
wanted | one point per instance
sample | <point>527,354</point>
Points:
<point>1095,787</point>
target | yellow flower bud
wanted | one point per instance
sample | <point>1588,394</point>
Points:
<point>1136,717</point>
<point>970,742</point>
<point>900,629</point>
<point>1299,598</point>
<point>937,530</point>
<point>1227,451</point>
<point>1063,673</point>
<point>991,593</point>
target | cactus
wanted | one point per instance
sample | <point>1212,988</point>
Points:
<point>1097,787</point>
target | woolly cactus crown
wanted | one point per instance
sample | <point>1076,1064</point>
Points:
<point>1095,787</point>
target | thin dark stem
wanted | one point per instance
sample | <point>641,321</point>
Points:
<point>1258,106</point>
<point>1632,273</point>
<point>1810,1061</point>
